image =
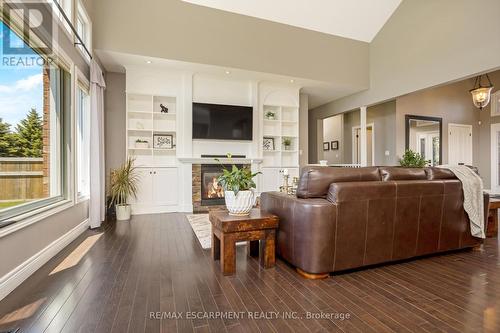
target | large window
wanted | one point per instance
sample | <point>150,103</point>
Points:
<point>83,140</point>
<point>34,104</point>
<point>83,29</point>
<point>67,7</point>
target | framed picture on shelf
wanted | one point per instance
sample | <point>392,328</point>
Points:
<point>268,144</point>
<point>163,141</point>
<point>326,146</point>
<point>334,145</point>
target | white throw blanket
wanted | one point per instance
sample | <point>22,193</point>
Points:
<point>472,185</point>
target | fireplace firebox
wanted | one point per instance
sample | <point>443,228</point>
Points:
<point>212,192</point>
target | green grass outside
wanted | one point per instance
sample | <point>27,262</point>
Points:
<point>8,204</point>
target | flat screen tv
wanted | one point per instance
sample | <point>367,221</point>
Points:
<point>222,122</point>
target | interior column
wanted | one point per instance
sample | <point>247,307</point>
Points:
<point>363,152</point>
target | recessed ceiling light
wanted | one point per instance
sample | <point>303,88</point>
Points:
<point>228,72</point>
<point>148,61</point>
<point>292,80</point>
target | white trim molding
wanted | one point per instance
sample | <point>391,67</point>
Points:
<point>14,278</point>
<point>495,104</point>
<point>494,142</point>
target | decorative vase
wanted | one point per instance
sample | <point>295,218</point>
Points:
<point>270,117</point>
<point>287,147</point>
<point>123,212</point>
<point>142,145</point>
<point>240,204</point>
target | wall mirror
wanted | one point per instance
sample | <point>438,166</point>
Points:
<point>424,135</point>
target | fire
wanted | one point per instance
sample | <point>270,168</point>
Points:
<point>214,190</point>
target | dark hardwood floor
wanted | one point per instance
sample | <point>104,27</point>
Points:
<point>155,264</point>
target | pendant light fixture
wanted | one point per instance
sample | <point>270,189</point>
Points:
<point>481,94</point>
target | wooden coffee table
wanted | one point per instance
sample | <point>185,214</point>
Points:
<point>492,227</point>
<point>228,229</point>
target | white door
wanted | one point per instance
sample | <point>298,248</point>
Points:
<point>165,187</point>
<point>370,145</point>
<point>495,158</point>
<point>144,187</point>
<point>459,144</point>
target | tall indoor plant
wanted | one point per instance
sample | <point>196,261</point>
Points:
<point>123,185</point>
<point>238,184</point>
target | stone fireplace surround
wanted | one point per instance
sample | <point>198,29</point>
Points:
<point>198,206</point>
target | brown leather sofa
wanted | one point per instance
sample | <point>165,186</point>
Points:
<point>344,218</point>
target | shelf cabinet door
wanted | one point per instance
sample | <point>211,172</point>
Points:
<point>165,186</point>
<point>144,187</point>
<point>271,179</point>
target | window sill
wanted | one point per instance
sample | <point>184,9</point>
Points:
<point>29,218</point>
<point>82,198</point>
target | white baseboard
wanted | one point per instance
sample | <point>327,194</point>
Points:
<point>14,278</point>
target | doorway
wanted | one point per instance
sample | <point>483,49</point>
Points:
<point>459,144</point>
<point>370,145</point>
<point>495,158</point>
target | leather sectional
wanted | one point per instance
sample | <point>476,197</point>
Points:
<point>345,218</point>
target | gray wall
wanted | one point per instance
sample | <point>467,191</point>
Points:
<point>452,103</point>
<point>26,242</point>
<point>332,131</point>
<point>178,30</point>
<point>383,116</point>
<point>484,161</point>
<point>426,43</point>
<point>115,121</point>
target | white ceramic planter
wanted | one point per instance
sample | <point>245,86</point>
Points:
<point>142,145</point>
<point>240,204</point>
<point>122,212</point>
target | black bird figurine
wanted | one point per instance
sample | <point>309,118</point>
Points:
<point>164,109</point>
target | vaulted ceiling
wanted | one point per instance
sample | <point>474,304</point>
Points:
<point>356,19</point>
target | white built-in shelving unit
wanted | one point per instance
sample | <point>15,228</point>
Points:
<point>284,125</point>
<point>156,167</point>
<point>144,121</point>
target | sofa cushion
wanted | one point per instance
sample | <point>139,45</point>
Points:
<point>439,173</point>
<point>400,173</point>
<point>315,180</point>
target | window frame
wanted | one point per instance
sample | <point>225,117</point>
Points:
<point>83,84</point>
<point>81,12</point>
<point>66,5</point>
<point>15,218</point>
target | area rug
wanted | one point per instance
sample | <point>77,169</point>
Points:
<point>202,229</point>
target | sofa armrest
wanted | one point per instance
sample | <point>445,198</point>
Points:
<point>306,234</point>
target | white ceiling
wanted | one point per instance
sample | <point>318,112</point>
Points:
<point>355,19</point>
<point>319,92</point>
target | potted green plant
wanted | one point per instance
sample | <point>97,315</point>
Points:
<point>413,159</point>
<point>238,184</point>
<point>270,115</point>
<point>124,182</point>
<point>287,143</point>
<point>139,143</point>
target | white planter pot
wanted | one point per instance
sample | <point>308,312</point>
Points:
<point>142,145</point>
<point>122,212</point>
<point>240,204</point>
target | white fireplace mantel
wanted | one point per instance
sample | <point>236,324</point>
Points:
<point>209,160</point>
